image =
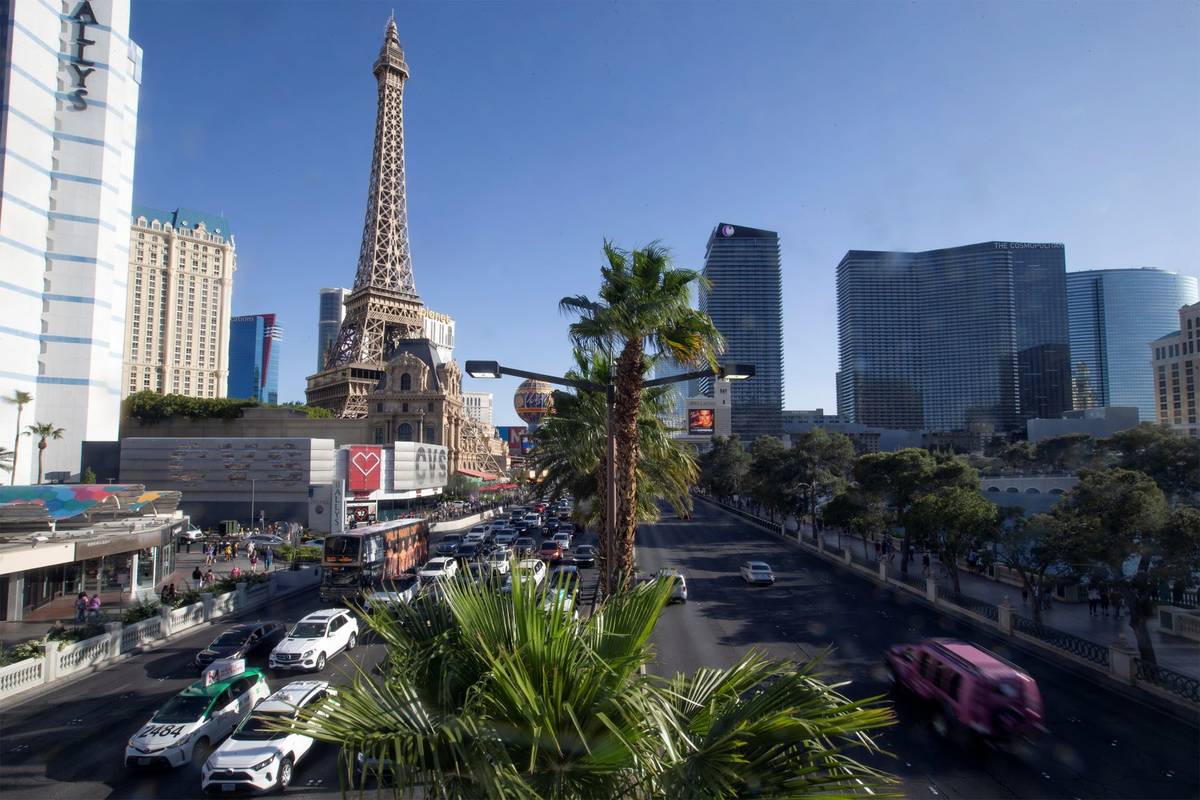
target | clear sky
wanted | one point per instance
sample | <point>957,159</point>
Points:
<point>535,130</point>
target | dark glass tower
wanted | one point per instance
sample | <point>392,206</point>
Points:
<point>970,337</point>
<point>745,301</point>
<point>1112,314</point>
<point>254,342</point>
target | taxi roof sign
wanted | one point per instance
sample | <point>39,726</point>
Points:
<point>223,669</point>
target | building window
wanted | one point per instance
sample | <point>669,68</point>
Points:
<point>404,408</point>
<point>405,382</point>
<point>404,433</point>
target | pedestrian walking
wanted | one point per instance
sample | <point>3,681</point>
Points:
<point>253,561</point>
<point>94,608</point>
<point>1093,596</point>
<point>1104,601</point>
<point>197,578</point>
<point>925,564</point>
<point>228,551</point>
<point>209,577</point>
<point>81,604</point>
<point>269,561</point>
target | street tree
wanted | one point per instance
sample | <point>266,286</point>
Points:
<point>821,464</point>
<point>1116,518</point>
<point>1065,453</point>
<point>20,400</point>
<point>43,432</point>
<point>1032,546</point>
<point>857,512</point>
<point>769,471</point>
<point>1171,459</point>
<point>952,521</point>
<point>725,467</point>
<point>487,695</point>
<point>643,302</point>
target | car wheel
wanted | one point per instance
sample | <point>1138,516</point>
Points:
<point>320,662</point>
<point>285,775</point>
<point>352,641</point>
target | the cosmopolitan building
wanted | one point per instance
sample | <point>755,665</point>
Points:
<point>68,127</point>
<point>1112,314</point>
<point>254,342</point>
<point>966,338</point>
<point>745,301</point>
<point>181,266</point>
<point>329,321</point>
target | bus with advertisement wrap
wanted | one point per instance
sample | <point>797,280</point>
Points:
<point>364,558</point>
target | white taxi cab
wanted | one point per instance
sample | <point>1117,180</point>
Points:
<point>258,757</point>
<point>198,718</point>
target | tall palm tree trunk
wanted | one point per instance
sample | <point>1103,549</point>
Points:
<point>604,551</point>
<point>12,480</point>
<point>41,458</point>
<point>628,404</point>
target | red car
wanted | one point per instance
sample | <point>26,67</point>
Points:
<point>972,691</point>
<point>551,551</point>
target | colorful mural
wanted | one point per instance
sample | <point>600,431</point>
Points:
<point>63,501</point>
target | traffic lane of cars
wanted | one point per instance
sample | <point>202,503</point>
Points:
<point>70,743</point>
<point>1099,744</point>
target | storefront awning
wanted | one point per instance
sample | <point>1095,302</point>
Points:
<point>474,473</point>
<point>498,487</point>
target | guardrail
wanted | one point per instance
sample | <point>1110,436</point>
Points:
<point>1169,680</point>
<point>1117,661</point>
<point>62,660</point>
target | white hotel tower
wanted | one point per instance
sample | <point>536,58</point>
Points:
<point>67,134</point>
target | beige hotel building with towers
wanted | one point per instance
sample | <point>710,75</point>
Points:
<point>181,267</point>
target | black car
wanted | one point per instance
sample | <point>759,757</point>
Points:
<point>242,641</point>
<point>449,545</point>
<point>551,527</point>
<point>467,552</point>
<point>584,555</point>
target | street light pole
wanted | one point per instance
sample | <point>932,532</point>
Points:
<point>252,504</point>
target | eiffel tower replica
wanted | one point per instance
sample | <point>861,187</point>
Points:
<point>383,308</point>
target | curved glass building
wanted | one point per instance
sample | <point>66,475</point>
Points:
<point>1113,314</point>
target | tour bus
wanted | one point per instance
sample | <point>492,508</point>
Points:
<point>364,558</point>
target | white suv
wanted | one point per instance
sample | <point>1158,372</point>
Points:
<point>529,569</point>
<point>437,569</point>
<point>314,639</point>
<point>257,757</point>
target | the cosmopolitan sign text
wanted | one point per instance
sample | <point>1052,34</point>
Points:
<point>420,466</point>
<point>79,67</point>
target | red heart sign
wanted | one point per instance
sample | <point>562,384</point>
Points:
<point>364,472</point>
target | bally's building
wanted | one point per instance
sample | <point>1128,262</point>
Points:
<point>68,123</point>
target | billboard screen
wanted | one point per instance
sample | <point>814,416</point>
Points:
<point>364,467</point>
<point>419,466</point>
<point>700,421</point>
<point>512,435</point>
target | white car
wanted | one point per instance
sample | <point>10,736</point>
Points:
<point>261,540</point>
<point>315,639</point>
<point>477,535</point>
<point>528,569</point>
<point>198,718</point>
<point>193,534</point>
<point>758,573</point>
<point>498,560</point>
<point>257,758</point>
<point>563,538</point>
<point>399,592</point>
<point>438,569</point>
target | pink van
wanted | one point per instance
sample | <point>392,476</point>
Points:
<point>972,691</point>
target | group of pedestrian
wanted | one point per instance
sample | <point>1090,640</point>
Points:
<point>87,608</point>
<point>168,594</point>
<point>202,579</point>
<point>1100,600</point>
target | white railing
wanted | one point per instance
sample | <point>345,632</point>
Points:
<point>224,604</point>
<point>187,616</point>
<point>83,654</point>
<point>140,633</point>
<point>21,675</point>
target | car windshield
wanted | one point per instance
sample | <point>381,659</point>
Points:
<point>341,546</point>
<point>182,708</point>
<point>231,639</point>
<point>257,728</point>
<point>308,630</point>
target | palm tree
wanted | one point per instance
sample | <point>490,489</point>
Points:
<point>44,431</point>
<point>6,459</point>
<point>643,301</point>
<point>571,452</point>
<point>482,694</point>
<point>19,399</point>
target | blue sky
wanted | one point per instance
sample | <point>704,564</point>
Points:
<point>535,130</point>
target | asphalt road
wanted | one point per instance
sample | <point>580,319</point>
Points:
<point>70,743</point>
<point>1100,744</point>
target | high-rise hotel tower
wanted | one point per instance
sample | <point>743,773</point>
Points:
<point>68,127</point>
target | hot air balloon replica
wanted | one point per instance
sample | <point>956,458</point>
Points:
<point>533,401</point>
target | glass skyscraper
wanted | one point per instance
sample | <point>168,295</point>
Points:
<point>329,321</point>
<point>745,301</point>
<point>965,338</point>
<point>254,342</point>
<point>1113,314</point>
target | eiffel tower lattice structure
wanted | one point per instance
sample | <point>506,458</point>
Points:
<point>383,308</point>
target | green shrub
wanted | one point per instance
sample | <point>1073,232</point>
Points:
<point>288,553</point>
<point>65,636</point>
<point>34,648</point>
<point>186,598</point>
<point>143,609</point>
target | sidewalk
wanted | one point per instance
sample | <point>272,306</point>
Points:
<point>1173,652</point>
